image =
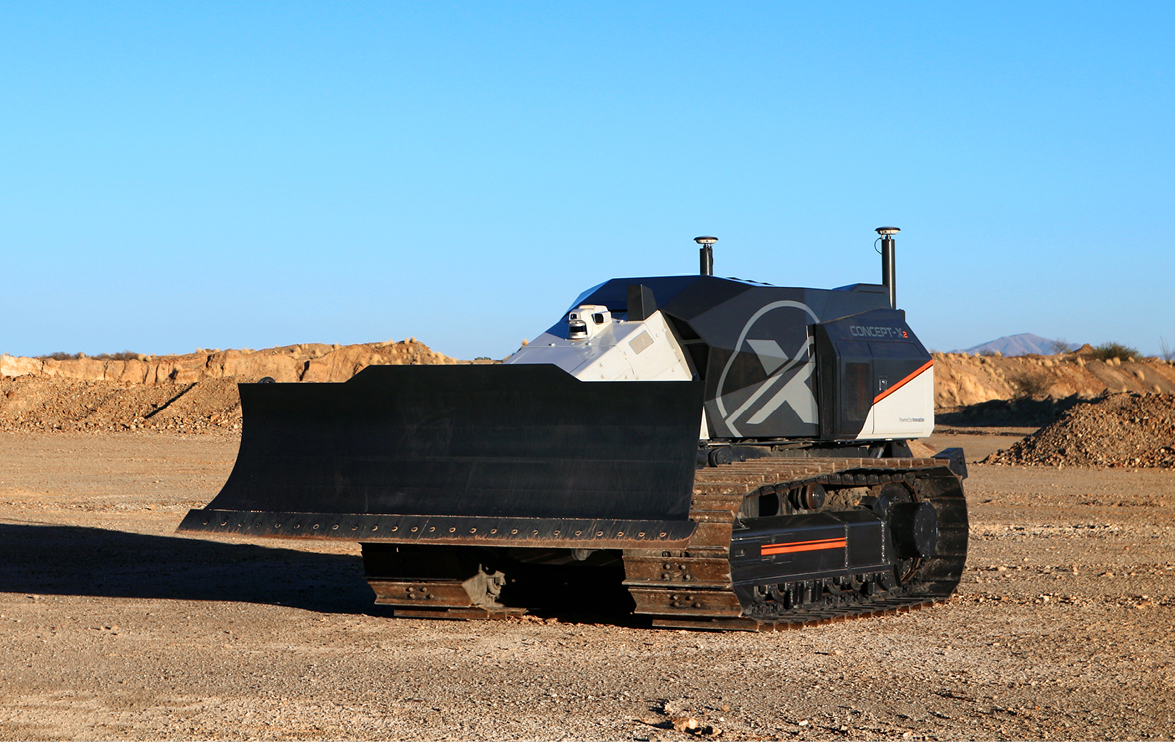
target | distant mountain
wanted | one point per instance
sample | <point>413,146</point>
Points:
<point>1017,345</point>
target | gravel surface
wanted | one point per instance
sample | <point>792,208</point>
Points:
<point>39,404</point>
<point>117,628</point>
<point>977,443</point>
<point>1119,430</point>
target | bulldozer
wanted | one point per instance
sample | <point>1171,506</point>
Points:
<point>717,453</point>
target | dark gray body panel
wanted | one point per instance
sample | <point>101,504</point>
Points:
<point>754,346</point>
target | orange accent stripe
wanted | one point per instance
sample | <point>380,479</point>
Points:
<point>828,543</point>
<point>903,382</point>
<point>798,543</point>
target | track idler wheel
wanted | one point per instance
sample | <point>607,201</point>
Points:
<point>914,526</point>
<point>808,497</point>
<point>721,456</point>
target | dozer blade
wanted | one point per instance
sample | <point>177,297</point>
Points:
<point>513,455</point>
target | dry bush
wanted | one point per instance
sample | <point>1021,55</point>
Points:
<point>1030,386</point>
<point>125,355</point>
<point>1106,351</point>
<point>1060,346</point>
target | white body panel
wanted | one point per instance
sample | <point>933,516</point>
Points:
<point>616,350</point>
<point>906,412</point>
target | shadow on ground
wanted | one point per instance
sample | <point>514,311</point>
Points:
<point>73,560</point>
<point>1024,413</point>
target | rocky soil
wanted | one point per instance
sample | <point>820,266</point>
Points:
<point>190,394</point>
<point>1119,430</point>
<point>306,362</point>
<point>31,403</point>
<point>964,381</point>
<point>115,627</point>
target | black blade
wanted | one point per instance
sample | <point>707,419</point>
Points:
<point>518,441</point>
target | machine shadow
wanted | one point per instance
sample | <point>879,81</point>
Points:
<point>96,562</point>
<point>75,560</point>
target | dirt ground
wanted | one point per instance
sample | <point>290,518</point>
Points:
<point>116,628</point>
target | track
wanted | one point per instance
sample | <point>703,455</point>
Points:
<point>745,567</point>
<point>705,587</point>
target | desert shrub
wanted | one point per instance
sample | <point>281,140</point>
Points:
<point>1166,351</point>
<point>1106,351</point>
<point>125,355</point>
<point>1030,386</point>
<point>1059,346</point>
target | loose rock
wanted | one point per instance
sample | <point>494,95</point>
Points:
<point>1118,430</point>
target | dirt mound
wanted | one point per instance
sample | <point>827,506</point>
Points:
<point>306,362</point>
<point>30,403</point>
<point>1135,430</point>
<point>196,393</point>
<point>962,380</point>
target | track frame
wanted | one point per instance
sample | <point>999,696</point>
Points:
<point>697,583</point>
<point>696,587</point>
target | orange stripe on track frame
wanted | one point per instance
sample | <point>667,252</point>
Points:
<point>776,546</point>
<point>903,382</point>
<point>832,543</point>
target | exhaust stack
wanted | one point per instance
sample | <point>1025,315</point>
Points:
<point>707,254</point>
<point>888,274</point>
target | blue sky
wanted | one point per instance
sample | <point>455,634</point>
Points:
<point>177,176</point>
